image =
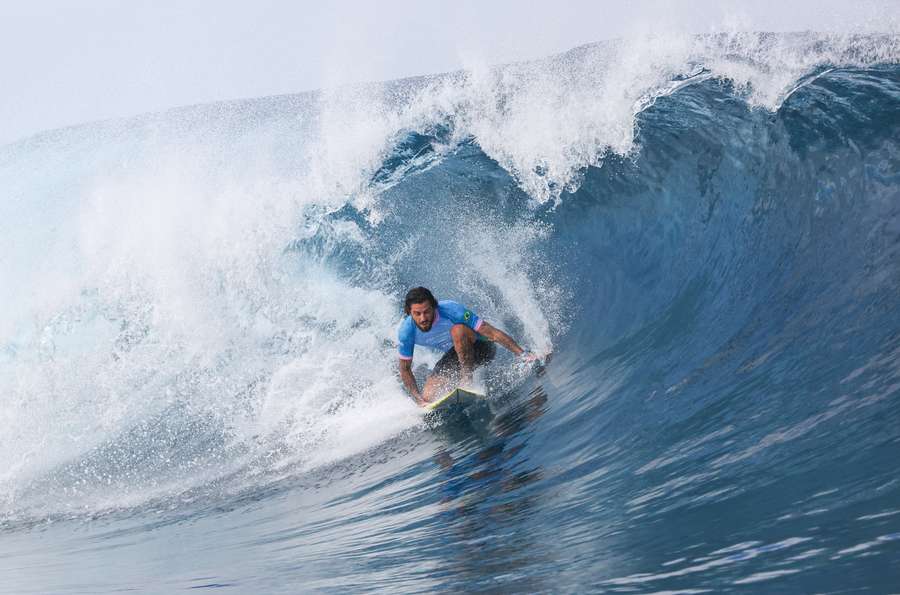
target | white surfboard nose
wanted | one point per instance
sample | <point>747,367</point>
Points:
<point>457,396</point>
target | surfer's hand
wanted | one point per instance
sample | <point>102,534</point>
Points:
<point>527,356</point>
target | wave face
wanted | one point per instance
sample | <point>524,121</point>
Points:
<point>197,354</point>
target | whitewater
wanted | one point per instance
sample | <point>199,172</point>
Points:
<point>198,364</point>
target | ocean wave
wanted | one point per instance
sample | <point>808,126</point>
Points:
<point>200,305</point>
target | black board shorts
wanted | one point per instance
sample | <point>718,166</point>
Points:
<point>448,365</point>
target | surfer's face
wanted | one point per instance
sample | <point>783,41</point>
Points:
<point>423,315</point>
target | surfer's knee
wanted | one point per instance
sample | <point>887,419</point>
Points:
<point>461,332</point>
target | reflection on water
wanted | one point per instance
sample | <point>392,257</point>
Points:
<point>485,506</point>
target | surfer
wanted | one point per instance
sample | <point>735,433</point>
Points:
<point>466,340</point>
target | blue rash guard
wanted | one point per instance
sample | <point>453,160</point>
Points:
<point>448,313</point>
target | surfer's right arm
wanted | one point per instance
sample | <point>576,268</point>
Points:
<point>409,381</point>
<point>406,344</point>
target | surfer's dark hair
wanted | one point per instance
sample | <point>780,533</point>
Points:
<point>417,295</point>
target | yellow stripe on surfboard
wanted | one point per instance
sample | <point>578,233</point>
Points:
<point>455,392</point>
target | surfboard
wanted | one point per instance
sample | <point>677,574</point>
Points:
<point>458,397</point>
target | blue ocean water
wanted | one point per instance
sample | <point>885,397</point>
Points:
<point>198,360</point>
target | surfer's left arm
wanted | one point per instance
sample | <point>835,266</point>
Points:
<point>497,336</point>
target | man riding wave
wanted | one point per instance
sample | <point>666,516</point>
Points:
<point>466,339</point>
